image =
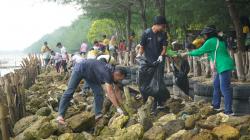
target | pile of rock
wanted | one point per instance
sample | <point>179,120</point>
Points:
<point>180,120</point>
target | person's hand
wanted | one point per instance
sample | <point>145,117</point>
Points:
<point>184,54</point>
<point>160,58</point>
<point>138,55</point>
<point>120,111</point>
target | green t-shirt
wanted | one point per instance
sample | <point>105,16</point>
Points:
<point>223,60</point>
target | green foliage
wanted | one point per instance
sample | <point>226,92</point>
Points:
<point>101,27</point>
<point>71,37</point>
<point>182,15</point>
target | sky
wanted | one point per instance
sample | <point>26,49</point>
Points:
<point>25,21</point>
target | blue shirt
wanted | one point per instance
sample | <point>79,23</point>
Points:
<point>95,71</point>
<point>153,44</point>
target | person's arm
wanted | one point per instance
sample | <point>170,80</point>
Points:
<point>142,44</point>
<point>118,94</point>
<point>163,52</point>
<point>207,47</point>
<point>164,44</point>
<point>67,56</point>
<point>111,95</point>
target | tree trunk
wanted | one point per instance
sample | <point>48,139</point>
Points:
<point>239,66</point>
<point>126,58</point>
<point>131,58</point>
<point>248,73</point>
<point>190,61</point>
<point>239,35</point>
<point>3,121</point>
<point>197,67</point>
<point>129,14</point>
<point>160,5</point>
<point>246,63</point>
<point>142,4</point>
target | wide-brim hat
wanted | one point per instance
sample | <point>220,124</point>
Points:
<point>160,20</point>
<point>208,29</point>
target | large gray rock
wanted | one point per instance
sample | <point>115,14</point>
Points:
<point>118,122</point>
<point>155,133</point>
<point>173,127</point>
<point>133,132</point>
<point>191,120</point>
<point>203,136</point>
<point>39,129</point>
<point>72,136</point>
<point>82,122</point>
<point>23,124</point>
<point>226,132</point>
<point>46,130</point>
<point>165,119</point>
<point>44,111</point>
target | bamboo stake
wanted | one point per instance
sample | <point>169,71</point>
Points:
<point>3,120</point>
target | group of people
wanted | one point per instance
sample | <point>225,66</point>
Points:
<point>58,59</point>
<point>152,47</point>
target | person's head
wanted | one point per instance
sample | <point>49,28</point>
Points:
<point>160,23</point>
<point>209,32</point>
<point>221,34</point>
<point>96,43</point>
<point>59,45</point>
<point>45,43</point>
<point>119,74</point>
<point>53,53</point>
<point>104,36</point>
<point>132,35</point>
<point>113,38</point>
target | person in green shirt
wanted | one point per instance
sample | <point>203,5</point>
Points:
<point>224,64</point>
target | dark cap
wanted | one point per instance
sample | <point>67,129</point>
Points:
<point>209,29</point>
<point>160,20</point>
<point>121,70</point>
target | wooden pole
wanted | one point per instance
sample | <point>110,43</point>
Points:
<point>3,120</point>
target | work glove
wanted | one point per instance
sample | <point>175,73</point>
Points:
<point>160,58</point>
<point>120,111</point>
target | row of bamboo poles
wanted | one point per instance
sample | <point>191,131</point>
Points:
<point>12,93</point>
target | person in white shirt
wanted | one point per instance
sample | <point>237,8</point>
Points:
<point>65,57</point>
<point>109,59</point>
<point>77,58</point>
<point>96,45</point>
<point>83,49</point>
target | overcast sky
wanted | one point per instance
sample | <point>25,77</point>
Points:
<point>25,21</point>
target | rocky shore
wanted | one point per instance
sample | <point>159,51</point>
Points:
<point>180,120</point>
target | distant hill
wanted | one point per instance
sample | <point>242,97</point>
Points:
<point>71,37</point>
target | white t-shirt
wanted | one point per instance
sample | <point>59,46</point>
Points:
<point>77,58</point>
<point>107,57</point>
<point>64,53</point>
<point>57,57</point>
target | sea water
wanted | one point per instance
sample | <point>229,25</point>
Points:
<point>10,61</point>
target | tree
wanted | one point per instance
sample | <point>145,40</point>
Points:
<point>160,5</point>
<point>101,27</point>
<point>238,28</point>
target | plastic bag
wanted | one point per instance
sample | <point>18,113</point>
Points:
<point>180,75</point>
<point>151,82</point>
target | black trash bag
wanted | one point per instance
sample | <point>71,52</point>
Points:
<point>181,75</point>
<point>151,81</point>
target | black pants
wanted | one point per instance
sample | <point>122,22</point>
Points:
<point>64,65</point>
